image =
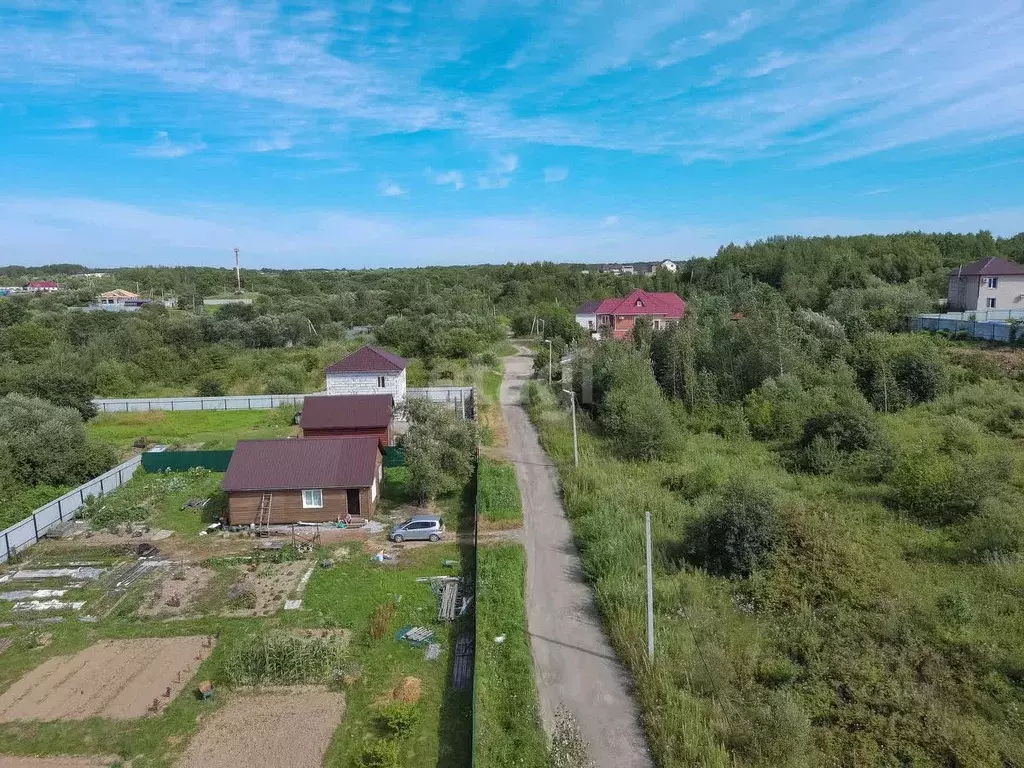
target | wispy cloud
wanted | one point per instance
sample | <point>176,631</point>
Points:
<point>163,147</point>
<point>390,189</point>
<point>500,175</point>
<point>82,124</point>
<point>272,144</point>
<point>553,175</point>
<point>450,177</point>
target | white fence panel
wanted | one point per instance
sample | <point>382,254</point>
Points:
<point>460,398</point>
<point>32,528</point>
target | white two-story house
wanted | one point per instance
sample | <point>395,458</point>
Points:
<point>368,371</point>
<point>986,284</point>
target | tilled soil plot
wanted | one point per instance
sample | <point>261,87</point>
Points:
<point>60,761</point>
<point>278,729</point>
<point>119,679</point>
<point>178,591</point>
<point>263,591</point>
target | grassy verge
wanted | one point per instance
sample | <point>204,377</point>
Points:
<point>498,495</point>
<point>208,429</point>
<point>508,728</point>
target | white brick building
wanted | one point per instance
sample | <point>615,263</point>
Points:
<point>368,371</point>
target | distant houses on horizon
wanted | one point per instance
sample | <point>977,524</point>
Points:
<point>638,268</point>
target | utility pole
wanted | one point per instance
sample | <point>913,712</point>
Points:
<point>550,355</point>
<point>575,444</point>
<point>650,595</point>
<point>238,273</point>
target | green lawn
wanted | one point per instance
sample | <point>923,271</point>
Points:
<point>208,429</point>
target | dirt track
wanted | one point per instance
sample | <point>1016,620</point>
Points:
<point>118,679</point>
<point>279,729</point>
<point>574,664</point>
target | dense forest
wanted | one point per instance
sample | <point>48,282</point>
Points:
<point>836,501</point>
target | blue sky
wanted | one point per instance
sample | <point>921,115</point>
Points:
<point>368,133</point>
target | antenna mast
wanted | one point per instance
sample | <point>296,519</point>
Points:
<point>238,274</point>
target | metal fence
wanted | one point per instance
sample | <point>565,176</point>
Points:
<point>988,330</point>
<point>32,528</point>
<point>459,398</point>
<point>182,461</point>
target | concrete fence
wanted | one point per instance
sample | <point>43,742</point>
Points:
<point>459,398</point>
<point>34,527</point>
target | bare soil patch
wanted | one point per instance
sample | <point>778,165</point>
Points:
<point>178,590</point>
<point>59,761</point>
<point>408,691</point>
<point>263,590</point>
<point>117,679</point>
<point>276,729</point>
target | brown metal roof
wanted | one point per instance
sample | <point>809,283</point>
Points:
<point>370,360</point>
<point>988,267</point>
<point>346,411</point>
<point>278,465</point>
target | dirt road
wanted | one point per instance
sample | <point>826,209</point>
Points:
<point>573,661</point>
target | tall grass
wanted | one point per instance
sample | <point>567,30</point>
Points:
<point>498,494</point>
<point>276,658</point>
<point>507,720</point>
<point>866,641</point>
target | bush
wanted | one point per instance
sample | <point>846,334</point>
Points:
<point>210,388</point>
<point>380,754</point>
<point>945,488</point>
<point>831,438</point>
<point>738,534</point>
<point>281,659</point>
<point>398,717</point>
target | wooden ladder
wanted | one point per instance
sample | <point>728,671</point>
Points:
<point>263,516</point>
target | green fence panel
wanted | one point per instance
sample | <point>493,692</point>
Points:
<point>181,461</point>
<point>394,457</point>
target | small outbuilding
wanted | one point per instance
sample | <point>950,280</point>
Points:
<point>348,416</point>
<point>368,371</point>
<point>271,482</point>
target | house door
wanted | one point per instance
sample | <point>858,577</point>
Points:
<point>353,501</point>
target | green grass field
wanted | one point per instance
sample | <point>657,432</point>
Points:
<point>208,429</point>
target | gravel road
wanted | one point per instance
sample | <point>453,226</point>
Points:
<point>573,662</point>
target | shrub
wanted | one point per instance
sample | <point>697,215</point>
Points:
<point>380,754</point>
<point>738,534</point>
<point>275,658</point>
<point>398,717</point>
<point>831,438</point>
<point>209,388</point>
<point>942,488</point>
<point>380,623</point>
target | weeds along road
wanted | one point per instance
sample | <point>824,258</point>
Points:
<point>574,664</point>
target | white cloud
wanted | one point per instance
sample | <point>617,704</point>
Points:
<point>390,189</point>
<point>492,181</point>
<point>553,175</point>
<point>450,177</point>
<point>508,163</point>
<point>163,147</point>
<point>273,144</point>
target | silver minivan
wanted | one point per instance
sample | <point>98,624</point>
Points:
<point>419,528</point>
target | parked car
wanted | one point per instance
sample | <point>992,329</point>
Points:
<point>419,528</point>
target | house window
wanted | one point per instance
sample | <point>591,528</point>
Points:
<point>639,303</point>
<point>990,303</point>
<point>991,282</point>
<point>313,499</point>
<point>380,381</point>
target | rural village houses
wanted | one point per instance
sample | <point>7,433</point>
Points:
<point>986,284</point>
<point>614,318</point>
<point>368,371</point>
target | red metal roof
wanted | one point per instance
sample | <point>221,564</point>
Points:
<point>369,360</point>
<point>988,267</point>
<point>280,465</point>
<point>668,304</point>
<point>43,284</point>
<point>346,411</point>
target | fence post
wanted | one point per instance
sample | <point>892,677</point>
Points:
<point>35,526</point>
<point>101,487</point>
<point>172,405</point>
<point>7,545</point>
<point>249,402</point>
<point>60,510</point>
<point>81,498</point>
<point>120,478</point>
